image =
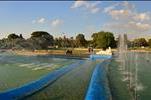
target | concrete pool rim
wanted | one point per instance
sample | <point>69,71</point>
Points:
<point>96,89</point>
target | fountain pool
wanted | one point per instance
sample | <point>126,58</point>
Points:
<point>18,70</point>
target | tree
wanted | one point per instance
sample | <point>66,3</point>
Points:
<point>80,40</point>
<point>21,36</point>
<point>12,36</point>
<point>94,41</point>
<point>14,41</point>
<point>149,43</point>
<point>140,42</point>
<point>103,40</point>
<point>41,40</point>
<point>65,42</point>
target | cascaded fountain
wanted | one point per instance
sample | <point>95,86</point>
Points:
<point>122,50</point>
<point>129,75</point>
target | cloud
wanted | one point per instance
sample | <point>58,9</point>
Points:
<point>56,22</point>
<point>142,16</point>
<point>127,11</point>
<point>95,10</point>
<point>39,21</point>
<point>130,27</point>
<point>120,14</point>
<point>140,26</point>
<point>125,18</point>
<point>91,7</point>
<point>122,10</point>
<point>79,4</point>
<point>110,8</point>
<point>127,5</point>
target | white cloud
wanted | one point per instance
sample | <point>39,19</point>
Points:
<point>127,5</point>
<point>143,26</point>
<point>125,18</point>
<point>95,10</point>
<point>129,27</point>
<point>122,10</point>
<point>56,22</point>
<point>39,21</point>
<point>126,11</point>
<point>79,4</point>
<point>142,16</point>
<point>92,7</point>
<point>120,14</point>
<point>110,8</point>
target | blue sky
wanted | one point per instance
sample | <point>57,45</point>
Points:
<point>73,17</point>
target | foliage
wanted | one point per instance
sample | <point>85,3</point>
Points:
<point>38,40</point>
<point>13,36</point>
<point>140,42</point>
<point>103,40</point>
<point>39,34</point>
<point>80,40</point>
<point>149,43</point>
<point>41,40</point>
<point>64,42</point>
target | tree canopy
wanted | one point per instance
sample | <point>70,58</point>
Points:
<point>80,40</point>
<point>39,34</point>
<point>149,43</point>
<point>12,36</point>
<point>140,42</point>
<point>103,40</point>
<point>41,40</point>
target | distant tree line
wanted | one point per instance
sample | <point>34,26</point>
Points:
<point>44,40</point>
<point>139,42</point>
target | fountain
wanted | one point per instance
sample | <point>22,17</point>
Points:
<point>122,49</point>
<point>125,63</point>
<point>135,78</point>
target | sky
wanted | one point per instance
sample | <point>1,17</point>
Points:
<point>73,17</point>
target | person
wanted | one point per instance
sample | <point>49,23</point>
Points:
<point>89,49</point>
<point>68,52</point>
<point>92,50</point>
